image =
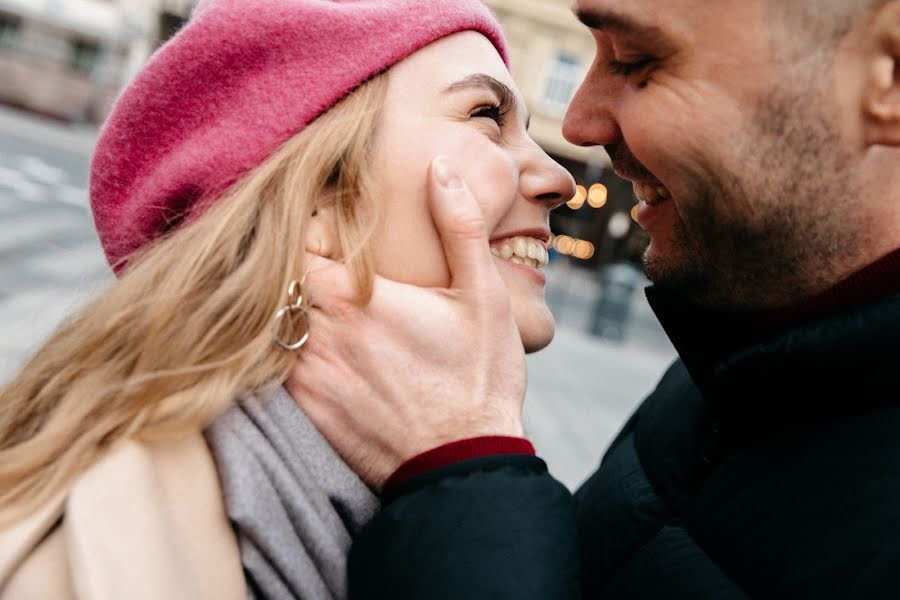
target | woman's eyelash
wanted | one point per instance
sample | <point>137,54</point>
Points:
<point>628,68</point>
<point>495,112</point>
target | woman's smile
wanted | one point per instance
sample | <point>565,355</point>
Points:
<point>523,250</point>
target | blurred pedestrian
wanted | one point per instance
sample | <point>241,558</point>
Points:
<point>150,449</point>
<point>763,140</point>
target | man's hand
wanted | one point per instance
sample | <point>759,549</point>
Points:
<point>417,367</point>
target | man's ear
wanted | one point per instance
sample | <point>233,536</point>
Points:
<point>322,235</point>
<point>881,98</point>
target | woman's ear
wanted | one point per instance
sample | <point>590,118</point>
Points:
<point>881,99</point>
<point>322,236</point>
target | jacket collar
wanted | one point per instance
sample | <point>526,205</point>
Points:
<point>847,337</point>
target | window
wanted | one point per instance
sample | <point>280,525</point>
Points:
<point>169,24</point>
<point>9,30</point>
<point>84,55</point>
<point>563,80</point>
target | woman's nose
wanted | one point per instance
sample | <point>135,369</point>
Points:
<point>544,180</point>
<point>590,119</point>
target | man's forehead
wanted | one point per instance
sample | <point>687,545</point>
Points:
<point>634,16</point>
<point>674,23</point>
<point>630,19</point>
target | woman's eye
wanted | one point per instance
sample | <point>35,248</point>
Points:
<point>493,112</point>
<point>629,68</point>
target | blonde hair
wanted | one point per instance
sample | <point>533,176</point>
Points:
<point>189,328</point>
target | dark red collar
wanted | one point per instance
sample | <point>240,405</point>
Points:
<point>704,337</point>
<point>878,280</point>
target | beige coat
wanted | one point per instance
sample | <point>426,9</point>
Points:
<point>147,522</point>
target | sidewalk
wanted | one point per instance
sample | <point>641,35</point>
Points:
<point>581,390</point>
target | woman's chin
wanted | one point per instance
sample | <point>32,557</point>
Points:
<point>536,330</point>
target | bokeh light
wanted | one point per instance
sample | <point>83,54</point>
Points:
<point>583,250</point>
<point>563,244</point>
<point>580,249</point>
<point>597,195</point>
<point>578,199</point>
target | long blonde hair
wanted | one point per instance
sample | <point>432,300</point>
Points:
<point>189,328</point>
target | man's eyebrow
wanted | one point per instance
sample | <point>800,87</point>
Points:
<point>505,95</point>
<point>615,22</point>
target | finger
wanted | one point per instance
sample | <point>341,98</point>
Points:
<point>326,282</point>
<point>460,223</point>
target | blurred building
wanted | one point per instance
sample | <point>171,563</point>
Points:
<point>551,53</point>
<point>68,58</point>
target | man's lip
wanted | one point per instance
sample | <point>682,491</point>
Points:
<point>632,175</point>
<point>656,194</point>
<point>646,214</point>
<point>645,181</point>
<point>628,176</point>
<point>538,233</point>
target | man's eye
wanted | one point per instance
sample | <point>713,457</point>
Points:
<point>491,111</point>
<point>629,68</point>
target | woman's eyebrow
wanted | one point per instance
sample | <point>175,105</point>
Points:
<point>504,94</point>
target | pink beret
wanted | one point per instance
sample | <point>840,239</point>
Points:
<point>240,79</point>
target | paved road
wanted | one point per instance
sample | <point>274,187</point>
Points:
<point>580,389</point>
<point>50,259</point>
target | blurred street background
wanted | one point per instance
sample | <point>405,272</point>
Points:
<point>61,65</point>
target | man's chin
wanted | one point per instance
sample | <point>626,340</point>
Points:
<point>684,277</point>
<point>660,266</point>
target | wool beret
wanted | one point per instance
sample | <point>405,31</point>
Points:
<point>240,79</point>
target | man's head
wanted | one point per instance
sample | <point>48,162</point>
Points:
<point>762,135</point>
<point>815,25</point>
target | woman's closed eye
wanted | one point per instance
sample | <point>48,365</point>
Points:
<point>494,112</point>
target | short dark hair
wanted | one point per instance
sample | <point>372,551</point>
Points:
<point>817,24</point>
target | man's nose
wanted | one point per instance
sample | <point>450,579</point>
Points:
<point>590,119</point>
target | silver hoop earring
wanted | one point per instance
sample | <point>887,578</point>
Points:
<point>293,308</point>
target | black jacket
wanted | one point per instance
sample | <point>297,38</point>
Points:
<point>765,465</point>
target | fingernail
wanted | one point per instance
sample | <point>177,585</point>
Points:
<point>445,174</point>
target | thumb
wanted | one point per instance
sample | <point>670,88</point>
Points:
<point>460,223</point>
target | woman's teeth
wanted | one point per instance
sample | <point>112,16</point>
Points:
<point>523,251</point>
<point>651,194</point>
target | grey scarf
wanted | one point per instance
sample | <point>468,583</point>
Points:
<point>293,503</point>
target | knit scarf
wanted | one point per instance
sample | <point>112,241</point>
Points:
<point>294,504</point>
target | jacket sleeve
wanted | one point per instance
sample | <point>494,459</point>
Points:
<point>496,527</point>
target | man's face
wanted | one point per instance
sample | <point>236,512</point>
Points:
<point>731,140</point>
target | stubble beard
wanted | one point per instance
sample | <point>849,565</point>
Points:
<point>776,227</point>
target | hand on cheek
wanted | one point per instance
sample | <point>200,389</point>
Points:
<point>417,367</point>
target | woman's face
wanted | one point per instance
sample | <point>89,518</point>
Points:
<point>456,98</point>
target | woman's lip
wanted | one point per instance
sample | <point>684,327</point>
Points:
<point>538,233</point>
<point>536,274</point>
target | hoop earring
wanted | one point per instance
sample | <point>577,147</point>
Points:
<point>294,307</point>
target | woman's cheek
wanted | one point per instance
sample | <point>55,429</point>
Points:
<point>492,175</point>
